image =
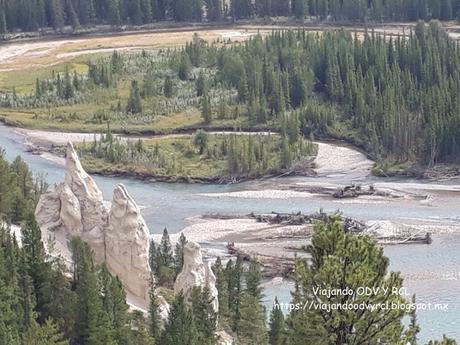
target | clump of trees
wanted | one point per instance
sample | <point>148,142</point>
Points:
<point>240,300</point>
<point>19,189</point>
<point>40,304</point>
<point>165,262</point>
<point>393,96</point>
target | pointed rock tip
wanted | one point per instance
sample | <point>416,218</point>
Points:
<point>71,153</point>
<point>120,192</point>
<point>70,146</point>
<point>192,249</point>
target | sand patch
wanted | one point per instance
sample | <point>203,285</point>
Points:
<point>333,160</point>
<point>262,194</point>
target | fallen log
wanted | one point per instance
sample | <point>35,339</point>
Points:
<point>413,239</point>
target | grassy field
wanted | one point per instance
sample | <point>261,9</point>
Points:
<point>23,80</point>
<point>187,162</point>
<point>83,115</point>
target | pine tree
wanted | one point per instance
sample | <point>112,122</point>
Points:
<point>36,266</point>
<point>180,328</point>
<point>252,326</point>
<point>165,248</point>
<point>63,299</point>
<point>159,9</point>
<point>57,16</point>
<point>91,323</point>
<point>146,10</point>
<point>413,330</point>
<point>222,287</point>
<point>72,15</point>
<point>342,260</point>
<point>114,304</point>
<point>241,9</point>
<point>139,334</point>
<point>214,9</point>
<point>276,333</point>
<point>148,87</point>
<point>153,256</point>
<point>299,8</point>
<point>298,89</point>
<point>113,12</point>
<point>204,316</point>
<point>200,85</point>
<point>445,341</point>
<point>179,252</point>
<point>168,88</point>
<point>68,91</point>
<point>446,9</point>
<point>286,154</point>
<point>3,28</point>
<point>185,67</point>
<point>165,264</point>
<point>243,89</point>
<point>46,334</point>
<point>253,277</point>
<point>206,111</point>
<point>234,273</point>
<point>154,316</point>
<point>134,105</point>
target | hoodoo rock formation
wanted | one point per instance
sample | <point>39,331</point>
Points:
<point>118,235</point>
<point>126,242</point>
<point>195,273</point>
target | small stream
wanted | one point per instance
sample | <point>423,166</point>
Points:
<point>432,272</point>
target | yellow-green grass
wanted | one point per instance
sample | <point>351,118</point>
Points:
<point>178,120</point>
<point>62,121</point>
<point>23,80</point>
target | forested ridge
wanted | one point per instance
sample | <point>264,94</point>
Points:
<point>395,96</point>
<point>31,15</point>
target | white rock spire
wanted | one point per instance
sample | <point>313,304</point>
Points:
<point>118,236</point>
<point>195,273</point>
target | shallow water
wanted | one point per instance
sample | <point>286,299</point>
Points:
<point>429,271</point>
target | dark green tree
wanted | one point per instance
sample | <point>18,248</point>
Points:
<point>276,334</point>
<point>134,105</point>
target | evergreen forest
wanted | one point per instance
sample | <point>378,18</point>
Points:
<point>33,15</point>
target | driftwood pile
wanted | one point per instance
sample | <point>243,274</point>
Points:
<point>349,224</point>
<point>353,191</point>
<point>271,266</point>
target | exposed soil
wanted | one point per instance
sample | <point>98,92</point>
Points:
<point>48,51</point>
